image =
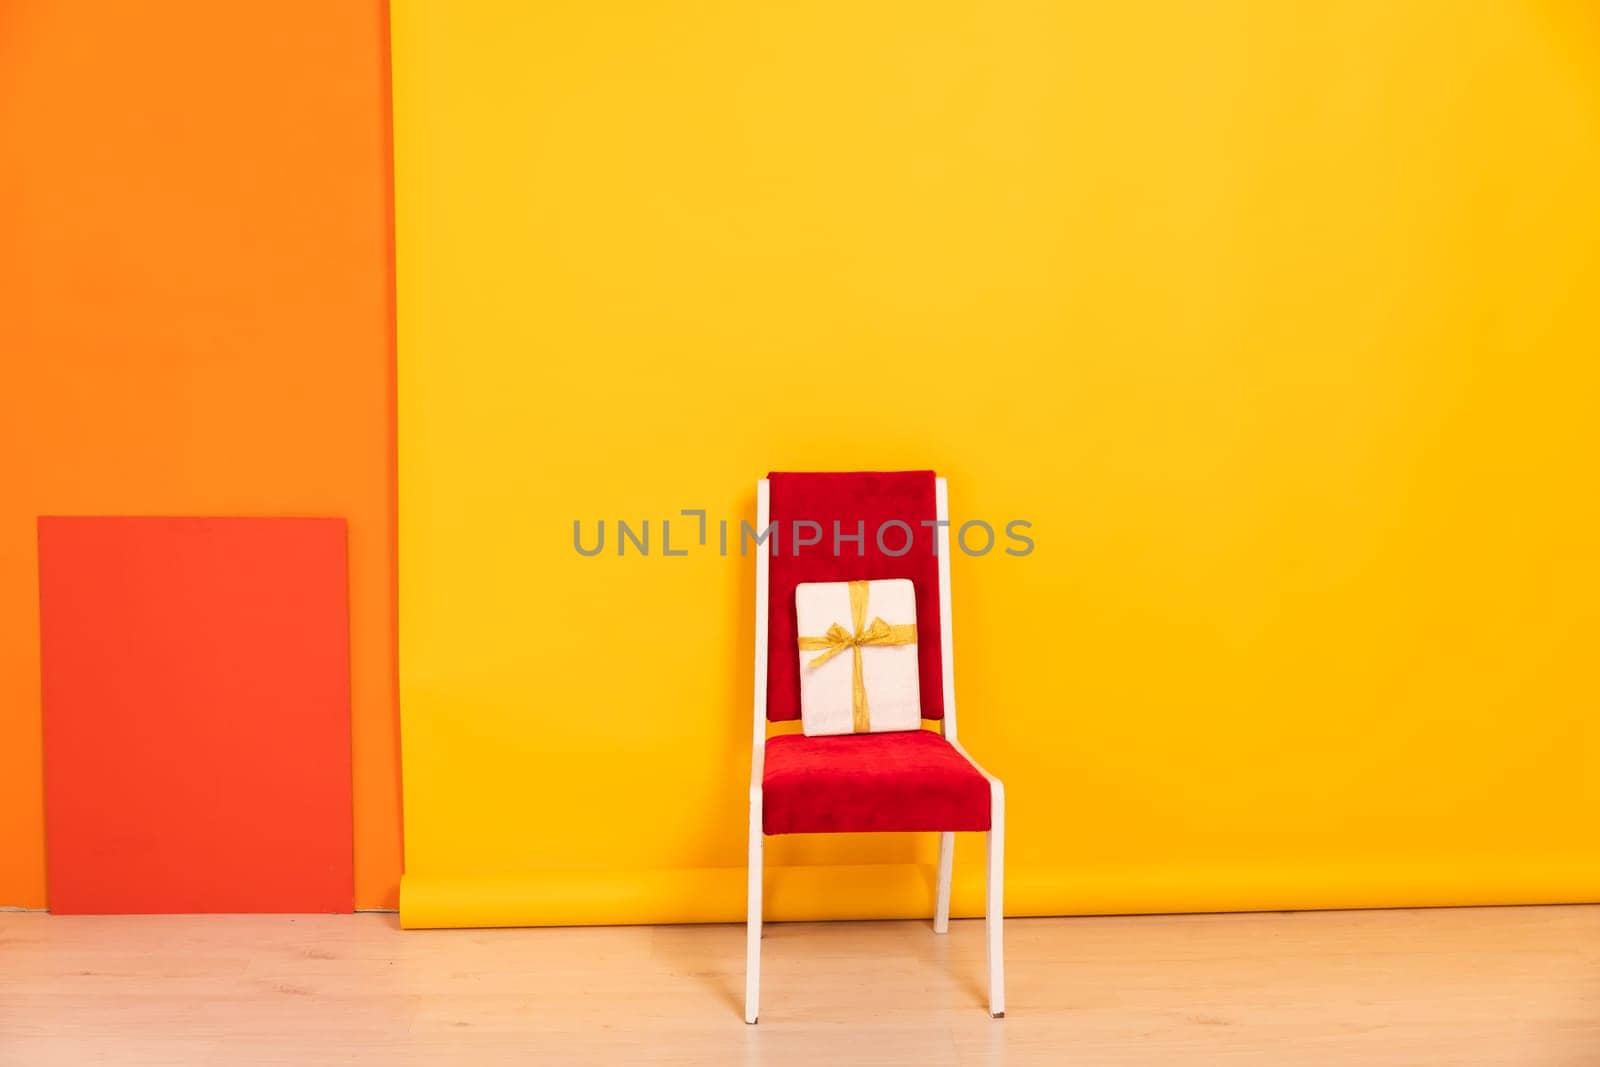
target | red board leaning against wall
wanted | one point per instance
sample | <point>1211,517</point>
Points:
<point>196,685</point>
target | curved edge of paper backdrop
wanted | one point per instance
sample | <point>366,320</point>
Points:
<point>1325,884</point>
<point>685,895</point>
<point>905,891</point>
<point>1335,882</point>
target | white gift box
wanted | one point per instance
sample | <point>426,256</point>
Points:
<point>858,656</point>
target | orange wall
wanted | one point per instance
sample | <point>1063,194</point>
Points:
<point>196,318</point>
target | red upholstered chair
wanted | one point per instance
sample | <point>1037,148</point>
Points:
<point>909,781</point>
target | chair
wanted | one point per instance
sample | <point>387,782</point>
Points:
<point>909,781</point>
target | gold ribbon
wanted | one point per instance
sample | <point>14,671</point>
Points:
<point>837,639</point>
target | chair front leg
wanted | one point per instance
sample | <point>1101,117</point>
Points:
<point>941,903</point>
<point>752,959</point>
<point>995,903</point>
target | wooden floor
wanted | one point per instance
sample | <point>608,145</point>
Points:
<point>1454,986</point>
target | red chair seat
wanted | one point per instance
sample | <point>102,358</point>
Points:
<point>854,783</point>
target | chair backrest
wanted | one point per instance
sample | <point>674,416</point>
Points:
<point>902,521</point>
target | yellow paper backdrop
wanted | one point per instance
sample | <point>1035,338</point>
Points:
<point>1277,321</point>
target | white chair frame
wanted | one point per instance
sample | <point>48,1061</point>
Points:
<point>994,908</point>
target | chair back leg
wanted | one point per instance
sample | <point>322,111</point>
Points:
<point>941,903</point>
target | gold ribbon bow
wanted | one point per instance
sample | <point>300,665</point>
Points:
<point>837,639</point>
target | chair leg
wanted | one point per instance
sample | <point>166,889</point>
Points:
<point>752,960</point>
<point>995,904</point>
<point>941,905</point>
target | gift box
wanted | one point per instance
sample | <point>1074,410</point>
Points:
<point>858,656</point>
